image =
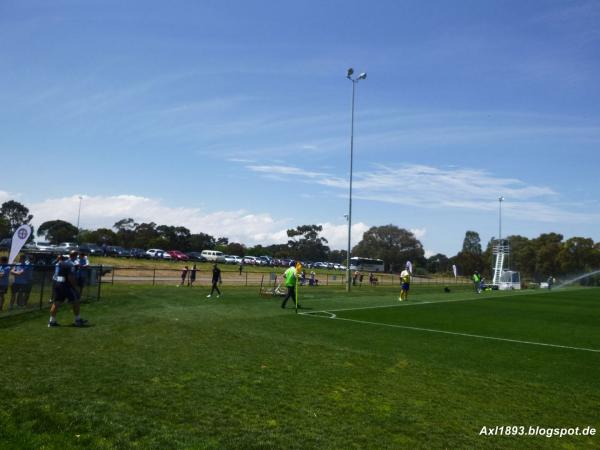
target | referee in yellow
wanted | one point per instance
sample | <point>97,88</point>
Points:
<point>291,278</point>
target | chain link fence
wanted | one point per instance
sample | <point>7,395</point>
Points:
<point>203,277</point>
<point>33,290</point>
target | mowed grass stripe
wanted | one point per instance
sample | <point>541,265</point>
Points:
<point>165,367</point>
<point>477,336</point>
<point>561,319</point>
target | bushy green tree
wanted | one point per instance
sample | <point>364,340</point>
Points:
<point>14,214</point>
<point>305,243</point>
<point>57,231</point>
<point>201,241</point>
<point>393,245</point>
<point>438,263</point>
<point>471,258</point>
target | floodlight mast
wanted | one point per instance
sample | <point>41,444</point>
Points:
<point>78,217</point>
<point>362,76</point>
<point>500,200</point>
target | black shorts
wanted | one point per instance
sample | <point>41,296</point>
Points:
<point>3,289</point>
<point>63,291</point>
<point>16,288</point>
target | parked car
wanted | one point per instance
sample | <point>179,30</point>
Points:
<point>67,246</point>
<point>115,250</point>
<point>157,253</point>
<point>138,253</point>
<point>6,243</point>
<point>249,260</point>
<point>213,256</point>
<point>268,260</point>
<point>230,259</point>
<point>45,246</point>
<point>263,261</point>
<point>178,256</point>
<point>90,249</point>
<point>196,256</point>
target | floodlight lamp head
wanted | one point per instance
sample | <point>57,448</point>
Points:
<point>362,76</point>
<point>350,72</point>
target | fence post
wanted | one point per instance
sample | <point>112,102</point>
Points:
<point>113,275</point>
<point>42,288</point>
<point>99,277</point>
<point>246,279</point>
<point>153,276</point>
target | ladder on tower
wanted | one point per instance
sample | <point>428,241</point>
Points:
<point>501,250</point>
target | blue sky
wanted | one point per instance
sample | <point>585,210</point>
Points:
<point>233,117</point>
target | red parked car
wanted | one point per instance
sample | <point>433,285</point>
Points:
<point>178,256</point>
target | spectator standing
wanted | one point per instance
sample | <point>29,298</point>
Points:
<point>184,273</point>
<point>4,276</point>
<point>18,287</point>
<point>83,264</point>
<point>192,276</point>
<point>405,280</point>
<point>216,280</point>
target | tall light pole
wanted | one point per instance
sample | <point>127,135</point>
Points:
<point>500,200</point>
<point>355,81</point>
<point>78,217</point>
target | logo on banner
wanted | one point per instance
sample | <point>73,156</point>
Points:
<point>18,241</point>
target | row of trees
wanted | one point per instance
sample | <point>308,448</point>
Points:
<point>548,254</point>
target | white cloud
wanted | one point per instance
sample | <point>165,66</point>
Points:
<point>337,235</point>
<point>238,225</point>
<point>419,232</point>
<point>5,196</point>
<point>450,188</point>
<point>99,211</point>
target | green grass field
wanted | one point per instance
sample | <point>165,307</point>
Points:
<point>165,367</point>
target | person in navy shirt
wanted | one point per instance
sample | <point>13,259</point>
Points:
<point>4,276</point>
<point>82,271</point>
<point>65,288</point>
<point>18,285</point>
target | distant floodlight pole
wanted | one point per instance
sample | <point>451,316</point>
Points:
<point>78,217</point>
<point>362,76</point>
<point>500,200</point>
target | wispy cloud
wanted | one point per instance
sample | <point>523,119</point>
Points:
<point>425,186</point>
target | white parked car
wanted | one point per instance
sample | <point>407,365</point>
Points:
<point>249,260</point>
<point>230,259</point>
<point>157,253</point>
<point>213,256</point>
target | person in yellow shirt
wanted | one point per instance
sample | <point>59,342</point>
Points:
<point>291,277</point>
<point>405,280</point>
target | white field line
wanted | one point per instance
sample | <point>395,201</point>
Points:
<point>453,333</point>
<point>396,305</point>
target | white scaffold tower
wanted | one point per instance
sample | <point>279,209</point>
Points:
<point>503,278</point>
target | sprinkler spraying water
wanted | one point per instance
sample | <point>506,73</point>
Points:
<point>580,277</point>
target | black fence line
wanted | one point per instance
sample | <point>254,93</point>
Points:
<point>39,282</point>
<point>159,276</point>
